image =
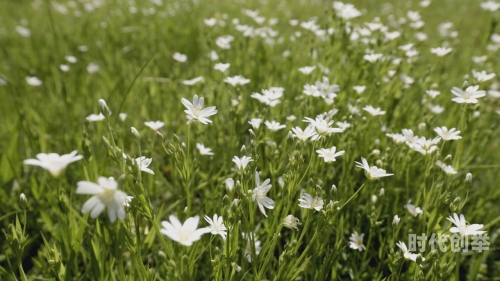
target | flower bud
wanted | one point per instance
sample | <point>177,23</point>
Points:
<point>23,202</point>
<point>135,133</point>
<point>229,184</point>
<point>104,108</point>
<point>395,220</point>
<point>468,177</point>
<point>422,126</point>
<point>291,222</point>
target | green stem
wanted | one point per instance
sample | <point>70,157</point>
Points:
<point>357,191</point>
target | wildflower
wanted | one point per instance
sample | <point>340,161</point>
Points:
<point>482,76</point>
<point>356,241</point>
<point>311,90</point>
<point>217,226</point>
<point>491,6</point>
<point>436,109</point>
<point>432,93</point>
<point>255,122</point>
<point>106,195</point>
<point>241,163</point>
<point>71,59</point>
<point>346,11</point>
<point>193,81</point>
<point>326,89</point>
<point>23,31</point>
<point>395,220</point>
<point>445,134</point>
<point>407,254</point>
<point>307,69</point>
<point>373,57</point>
<point>236,80</point>
<point>260,194</point>
<point>425,146</point>
<point>179,57</point>
<point>54,163</point>
<point>154,125</point>
<point>64,67</point>
<point>303,135</point>
<point>468,177</point>
<point>187,233</point>
<point>449,170</point>
<point>23,202</point>
<point>470,95</point>
<point>135,133</point>
<point>274,126</point>
<point>95,117</point>
<point>194,110</point>
<point>343,125</point>
<point>224,42</point>
<point>92,68</point>
<point>229,184</point>
<point>33,81</point>
<point>415,211</point>
<point>462,227</point>
<point>359,89</point>
<point>329,154</point>
<point>373,111</point>
<point>291,222</point>
<point>144,163</point>
<point>222,67</point>
<point>322,127</point>
<point>308,202</point>
<point>204,150</point>
<point>441,51</point>
<point>248,249</point>
<point>372,172</point>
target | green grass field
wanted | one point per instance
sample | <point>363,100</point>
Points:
<point>295,200</point>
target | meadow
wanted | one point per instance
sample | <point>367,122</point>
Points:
<point>249,140</point>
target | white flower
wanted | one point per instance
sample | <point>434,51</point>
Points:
<point>441,51</point>
<point>274,126</point>
<point>187,233</point>
<point>194,110</point>
<point>482,76</point>
<point>303,135</point>
<point>343,125</point>
<point>260,194</point>
<point>54,163</point>
<point>33,81</point>
<point>372,172</point>
<point>322,127</point>
<point>373,111</point>
<point>71,59</point>
<point>307,69</point>
<point>359,89</point>
<point>214,56</point>
<point>415,211</point>
<point>407,254</point>
<point>326,89</point>
<point>445,134</point>
<point>373,57</point>
<point>179,57</point>
<point>144,163</point>
<point>356,241</point>
<point>23,31</point>
<point>237,80</point>
<point>432,93</point>
<point>346,11</point>
<point>154,125</point>
<point>204,150</point>
<point>106,195</point>
<point>425,146</point>
<point>224,42</point>
<point>255,122</point>
<point>193,81</point>
<point>248,249</point>
<point>229,184</point>
<point>222,67</point>
<point>210,21</point>
<point>470,95</point>
<point>462,227</point>
<point>64,67</point>
<point>92,68</point>
<point>436,109</point>
<point>491,6</point>
<point>241,163</point>
<point>329,154</point>
<point>291,222</point>
<point>308,202</point>
<point>311,90</point>
<point>449,170</point>
<point>396,220</point>
<point>217,226</point>
<point>95,117</point>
